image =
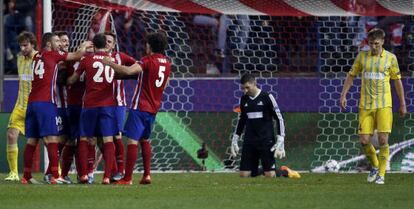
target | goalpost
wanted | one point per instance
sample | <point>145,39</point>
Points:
<point>300,51</point>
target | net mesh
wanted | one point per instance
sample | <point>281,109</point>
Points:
<point>302,61</point>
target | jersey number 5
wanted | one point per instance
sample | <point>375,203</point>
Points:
<point>109,73</point>
<point>161,77</point>
<point>39,69</point>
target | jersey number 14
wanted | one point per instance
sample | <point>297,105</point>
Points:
<point>39,69</point>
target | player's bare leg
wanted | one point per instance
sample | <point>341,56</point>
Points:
<point>245,173</point>
<point>12,154</point>
<point>269,174</point>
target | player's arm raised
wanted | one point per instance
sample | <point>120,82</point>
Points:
<point>80,52</point>
<point>122,69</point>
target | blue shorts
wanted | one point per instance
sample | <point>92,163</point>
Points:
<point>41,120</point>
<point>63,122</point>
<point>120,117</point>
<point>73,112</point>
<point>139,125</point>
<point>98,121</point>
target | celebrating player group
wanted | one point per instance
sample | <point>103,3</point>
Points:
<point>76,102</point>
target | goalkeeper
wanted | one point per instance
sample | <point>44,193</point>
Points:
<point>257,111</point>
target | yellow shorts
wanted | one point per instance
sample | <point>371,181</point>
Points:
<point>17,119</point>
<point>380,119</point>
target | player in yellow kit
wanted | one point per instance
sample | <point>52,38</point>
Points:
<point>27,42</point>
<point>376,67</point>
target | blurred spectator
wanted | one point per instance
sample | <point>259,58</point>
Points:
<point>242,32</point>
<point>218,24</point>
<point>130,32</point>
<point>393,26</point>
<point>364,24</point>
<point>100,23</point>
<point>17,18</point>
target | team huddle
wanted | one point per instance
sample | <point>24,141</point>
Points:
<point>76,102</point>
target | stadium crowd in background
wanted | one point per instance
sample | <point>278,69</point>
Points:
<point>18,17</point>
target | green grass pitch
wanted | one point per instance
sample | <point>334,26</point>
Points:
<point>217,190</point>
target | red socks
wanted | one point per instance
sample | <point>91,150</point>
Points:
<point>67,158</point>
<point>53,154</point>
<point>131,159</point>
<point>146,156</point>
<point>109,157</point>
<point>83,157</point>
<point>120,153</point>
<point>28,160</point>
<point>91,158</point>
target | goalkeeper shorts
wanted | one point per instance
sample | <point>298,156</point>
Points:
<point>252,153</point>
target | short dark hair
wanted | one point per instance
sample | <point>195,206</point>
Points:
<point>99,41</point>
<point>376,33</point>
<point>27,36</point>
<point>47,37</point>
<point>158,42</point>
<point>248,77</point>
<point>61,33</point>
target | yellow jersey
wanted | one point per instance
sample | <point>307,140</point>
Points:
<point>24,68</point>
<point>375,72</point>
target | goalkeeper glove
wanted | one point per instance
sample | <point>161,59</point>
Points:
<point>234,148</point>
<point>279,147</point>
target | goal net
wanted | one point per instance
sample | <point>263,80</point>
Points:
<point>299,50</point>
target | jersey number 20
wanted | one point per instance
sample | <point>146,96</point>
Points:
<point>109,73</point>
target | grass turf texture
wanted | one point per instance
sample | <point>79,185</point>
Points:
<point>217,190</point>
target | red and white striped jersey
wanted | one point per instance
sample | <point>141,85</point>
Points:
<point>44,76</point>
<point>156,69</point>
<point>121,59</point>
